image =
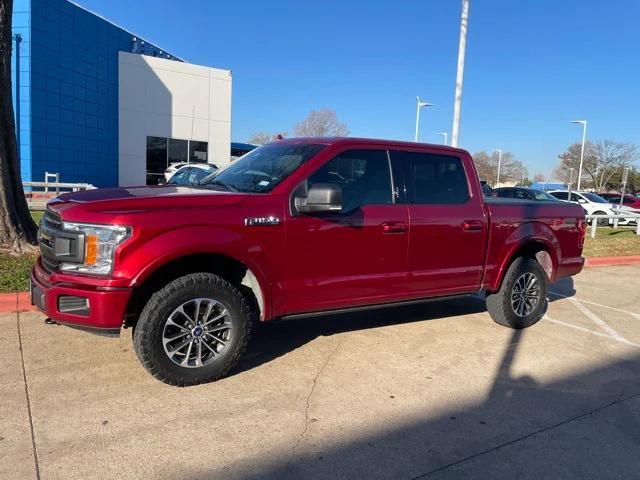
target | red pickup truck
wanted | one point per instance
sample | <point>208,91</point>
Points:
<point>294,228</point>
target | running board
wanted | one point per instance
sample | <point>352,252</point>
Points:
<point>375,306</point>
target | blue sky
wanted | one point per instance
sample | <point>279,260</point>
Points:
<point>532,65</point>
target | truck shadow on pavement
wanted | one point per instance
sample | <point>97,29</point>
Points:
<point>272,340</point>
<point>583,422</point>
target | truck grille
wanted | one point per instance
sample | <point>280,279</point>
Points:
<point>57,245</point>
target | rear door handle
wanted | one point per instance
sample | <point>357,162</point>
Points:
<point>390,227</point>
<point>472,225</point>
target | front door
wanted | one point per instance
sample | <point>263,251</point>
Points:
<point>354,257</point>
<point>447,225</point>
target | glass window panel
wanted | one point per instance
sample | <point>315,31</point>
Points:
<point>363,176</point>
<point>198,151</point>
<point>178,150</point>
<point>156,159</point>
<point>436,179</point>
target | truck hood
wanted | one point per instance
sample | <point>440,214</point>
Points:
<point>123,199</point>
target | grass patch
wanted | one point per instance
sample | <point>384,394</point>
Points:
<point>15,270</point>
<point>612,243</point>
<point>37,215</point>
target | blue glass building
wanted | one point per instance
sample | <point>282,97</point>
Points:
<point>65,90</point>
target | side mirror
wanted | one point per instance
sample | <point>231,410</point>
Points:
<point>162,181</point>
<point>322,197</point>
<point>582,200</point>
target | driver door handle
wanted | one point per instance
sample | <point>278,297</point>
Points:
<point>394,227</point>
<point>472,225</point>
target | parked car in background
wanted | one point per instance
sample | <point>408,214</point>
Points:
<point>171,170</point>
<point>591,203</point>
<point>524,193</point>
<point>191,174</point>
<point>292,229</point>
<point>238,149</point>
<point>630,201</point>
<point>486,189</point>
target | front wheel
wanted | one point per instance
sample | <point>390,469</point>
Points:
<point>522,298</point>
<point>602,222</point>
<point>194,330</point>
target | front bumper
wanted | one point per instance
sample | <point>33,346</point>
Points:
<point>106,305</point>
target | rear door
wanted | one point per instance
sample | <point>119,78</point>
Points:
<point>354,257</point>
<point>446,224</point>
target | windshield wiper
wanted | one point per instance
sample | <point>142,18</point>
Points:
<point>219,182</point>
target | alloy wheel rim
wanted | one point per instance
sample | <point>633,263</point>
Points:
<point>525,294</point>
<point>197,332</point>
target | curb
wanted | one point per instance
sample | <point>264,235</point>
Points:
<point>15,302</point>
<point>608,261</point>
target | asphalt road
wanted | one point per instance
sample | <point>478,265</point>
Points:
<point>430,391</point>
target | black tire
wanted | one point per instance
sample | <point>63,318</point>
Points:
<point>499,304</point>
<point>602,222</point>
<point>151,327</point>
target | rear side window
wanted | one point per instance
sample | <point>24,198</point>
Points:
<point>363,176</point>
<point>561,195</point>
<point>434,179</point>
<point>522,195</point>
<point>504,193</point>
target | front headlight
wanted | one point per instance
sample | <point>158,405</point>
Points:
<point>100,244</point>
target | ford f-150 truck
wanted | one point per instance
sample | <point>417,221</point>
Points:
<point>294,228</point>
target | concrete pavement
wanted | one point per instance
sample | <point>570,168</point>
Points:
<point>430,391</point>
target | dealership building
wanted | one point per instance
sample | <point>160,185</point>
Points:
<point>96,103</point>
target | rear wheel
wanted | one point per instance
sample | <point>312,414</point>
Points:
<point>522,298</point>
<point>194,330</point>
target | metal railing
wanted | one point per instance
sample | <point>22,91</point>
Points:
<point>39,193</point>
<point>623,215</point>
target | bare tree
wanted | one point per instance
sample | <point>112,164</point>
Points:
<point>538,177</point>
<point>603,161</point>
<point>613,158</point>
<point>17,228</point>
<point>260,138</point>
<point>321,123</point>
<point>484,166</point>
<point>487,166</point>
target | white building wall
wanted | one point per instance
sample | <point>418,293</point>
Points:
<point>166,98</point>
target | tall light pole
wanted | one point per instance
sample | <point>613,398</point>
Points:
<point>499,165</point>
<point>444,134</point>
<point>457,100</point>
<point>584,136</point>
<point>570,185</point>
<point>419,105</point>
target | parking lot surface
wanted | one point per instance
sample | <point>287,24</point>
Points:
<point>431,391</point>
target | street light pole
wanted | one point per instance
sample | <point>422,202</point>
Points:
<point>584,136</point>
<point>457,100</point>
<point>499,164</point>
<point>419,105</point>
<point>571,170</point>
<point>444,134</point>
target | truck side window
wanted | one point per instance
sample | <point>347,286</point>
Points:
<point>363,176</point>
<point>434,179</point>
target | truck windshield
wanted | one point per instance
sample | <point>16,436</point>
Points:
<point>260,170</point>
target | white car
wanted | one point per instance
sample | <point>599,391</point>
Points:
<point>191,173</point>
<point>592,204</point>
<point>174,167</point>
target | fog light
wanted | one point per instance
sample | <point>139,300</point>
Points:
<point>74,305</point>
